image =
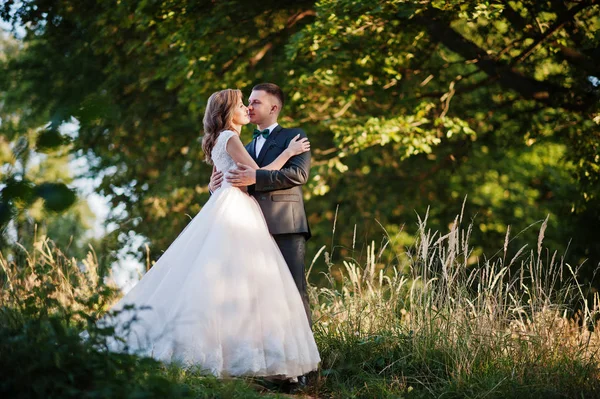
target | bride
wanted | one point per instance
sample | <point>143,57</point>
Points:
<point>221,297</point>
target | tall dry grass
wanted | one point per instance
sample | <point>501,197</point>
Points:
<point>507,326</point>
<point>44,275</point>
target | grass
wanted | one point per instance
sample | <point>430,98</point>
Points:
<point>429,325</point>
<point>434,326</point>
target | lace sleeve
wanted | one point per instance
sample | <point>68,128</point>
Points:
<point>219,152</point>
<point>226,135</point>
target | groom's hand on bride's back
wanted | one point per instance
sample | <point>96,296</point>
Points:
<point>242,176</point>
<point>216,178</point>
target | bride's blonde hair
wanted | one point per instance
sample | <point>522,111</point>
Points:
<point>217,117</point>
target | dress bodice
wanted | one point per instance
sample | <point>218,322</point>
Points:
<point>220,157</point>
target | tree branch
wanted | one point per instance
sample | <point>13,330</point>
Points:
<point>266,44</point>
<point>529,88</point>
<point>578,59</point>
<point>558,24</point>
<point>460,90</point>
<point>515,19</point>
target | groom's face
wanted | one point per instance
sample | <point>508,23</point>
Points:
<point>261,107</point>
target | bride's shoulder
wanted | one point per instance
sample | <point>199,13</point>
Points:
<point>227,134</point>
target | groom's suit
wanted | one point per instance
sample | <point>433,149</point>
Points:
<point>279,194</point>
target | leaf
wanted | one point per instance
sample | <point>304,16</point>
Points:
<point>94,108</point>
<point>17,190</point>
<point>57,196</point>
<point>50,139</point>
<point>6,213</point>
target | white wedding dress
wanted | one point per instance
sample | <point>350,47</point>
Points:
<point>221,297</point>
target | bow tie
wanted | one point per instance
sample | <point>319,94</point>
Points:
<point>264,133</point>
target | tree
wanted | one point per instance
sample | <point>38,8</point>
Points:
<point>35,199</point>
<point>407,104</point>
<point>496,100</point>
<point>137,77</point>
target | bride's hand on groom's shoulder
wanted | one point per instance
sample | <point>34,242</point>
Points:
<point>298,145</point>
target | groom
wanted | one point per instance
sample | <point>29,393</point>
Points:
<point>278,192</point>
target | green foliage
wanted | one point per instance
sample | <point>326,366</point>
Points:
<point>143,122</point>
<point>46,359</point>
<point>34,170</point>
<point>406,103</point>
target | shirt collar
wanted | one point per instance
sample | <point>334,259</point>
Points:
<point>272,127</point>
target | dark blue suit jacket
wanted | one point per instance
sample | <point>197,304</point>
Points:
<point>279,192</point>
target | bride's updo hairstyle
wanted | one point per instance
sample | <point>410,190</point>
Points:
<point>217,117</point>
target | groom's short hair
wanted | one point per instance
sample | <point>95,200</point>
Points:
<point>272,89</point>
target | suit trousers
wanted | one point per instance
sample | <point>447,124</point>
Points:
<point>293,248</point>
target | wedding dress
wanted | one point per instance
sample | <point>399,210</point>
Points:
<point>221,297</point>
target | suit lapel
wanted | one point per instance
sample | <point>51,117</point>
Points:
<point>270,142</point>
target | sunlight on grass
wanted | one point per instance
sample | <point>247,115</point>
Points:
<point>513,325</point>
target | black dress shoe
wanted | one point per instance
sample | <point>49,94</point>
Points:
<point>302,381</point>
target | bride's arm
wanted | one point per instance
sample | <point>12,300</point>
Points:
<point>235,148</point>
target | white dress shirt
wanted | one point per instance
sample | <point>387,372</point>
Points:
<point>260,140</point>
